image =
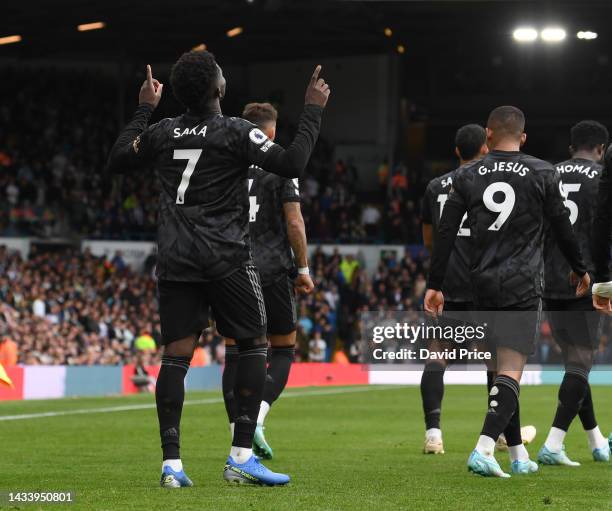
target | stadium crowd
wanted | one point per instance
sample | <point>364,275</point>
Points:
<point>52,180</point>
<point>74,308</point>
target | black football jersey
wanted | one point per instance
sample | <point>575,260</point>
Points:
<point>579,186</point>
<point>508,195</point>
<point>267,226</point>
<point>457,285</point>
<point>202,164</point>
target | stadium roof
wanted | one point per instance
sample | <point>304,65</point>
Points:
<point>276,29</point>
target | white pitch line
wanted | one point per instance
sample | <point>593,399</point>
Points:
<point>210,401</point>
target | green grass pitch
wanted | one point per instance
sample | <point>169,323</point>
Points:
<point>346,449</point>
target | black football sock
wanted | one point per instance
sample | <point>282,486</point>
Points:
<point>229,381</point>
<point>248,391</point>
<point>281,359</point>
<point>512,432</point>
<point>169,397</point>
<point>432,392</point>
<point>587,412</point>
<point>571,394</point>
<point>503,402</point>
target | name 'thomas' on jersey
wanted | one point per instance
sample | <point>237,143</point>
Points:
<point>202,161</point>
<point>508,195</point>
<point>267,225</point>
<point>579,186</point>
<point>457,281</point>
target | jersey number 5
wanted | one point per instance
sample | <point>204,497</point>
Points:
<point>566,189</point>
<point>192,155</point>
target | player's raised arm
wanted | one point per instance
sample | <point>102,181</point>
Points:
<point>130,148</point>
<point>453,212</point>
<point>558,216</point>
<point>292,161</point>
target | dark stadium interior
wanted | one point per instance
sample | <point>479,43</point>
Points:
<point>65,94</point>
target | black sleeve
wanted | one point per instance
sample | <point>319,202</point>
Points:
<point>558,217</point>
<point>426,207</point>
<point>133,146</point>
<point>601,237</point>
<point>288,162</point>
<point>444,239</point>
<point>290,191</point>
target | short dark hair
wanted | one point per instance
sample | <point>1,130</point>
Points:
<point>193,78</point>
<point>469,140</point>
<point>260,113</point>
<point>588,135</point>
<point>507,120</point>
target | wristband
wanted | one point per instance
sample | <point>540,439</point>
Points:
<point>304,271</point>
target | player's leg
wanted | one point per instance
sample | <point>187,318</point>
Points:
<point>183,314</point>
<point>279,299</point>
<point>239,311</point>
<point>600,447</point>
<point>229,380</point>
<point>515,335</point>
<point>432,393</point>
<point>571,330</point>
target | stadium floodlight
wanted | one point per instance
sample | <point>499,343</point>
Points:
<point>233,32</point>
<point>96,25</point>
<point>586,35</point>
<point>401,49</point>
<point>553,34</point>
<point>525,34</point>
<point>199,47</point>
<point>10,39</point>
<point>388,32</point>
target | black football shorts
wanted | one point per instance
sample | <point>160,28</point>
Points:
<point>516,327</point>
<point>574,322</point>
<point>279,298</point>
<point>236,302</point>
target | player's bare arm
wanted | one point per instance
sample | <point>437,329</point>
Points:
<point>296,232</point>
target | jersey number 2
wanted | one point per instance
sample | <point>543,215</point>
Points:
<point>192,156</point>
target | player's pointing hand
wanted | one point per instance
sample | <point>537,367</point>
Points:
<point>151,90</point>
<point>317,91</point>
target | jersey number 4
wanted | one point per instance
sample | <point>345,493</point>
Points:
<point>253,206</point>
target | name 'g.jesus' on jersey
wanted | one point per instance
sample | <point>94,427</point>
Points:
<point>579,186</point>
<point>267,225</point>
<point>508,195</point>
<point>202,163</point>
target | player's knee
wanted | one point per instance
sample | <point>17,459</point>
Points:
<point>251,343</point>
<point>435,366</point>
<point>283,341</point>
<point>181,348</point>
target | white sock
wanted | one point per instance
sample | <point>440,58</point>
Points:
<point>241,455</point>
<point>176,465</point>
<point>264,408</point>
<point>596,439</point>
<point>518,452</point>
<point>434,433</point>
<point>231,426</point>
<point>485,445</point>
<point>554,441</point>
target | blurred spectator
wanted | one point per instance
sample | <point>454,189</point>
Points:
<point>8,352</point>
<point>317,348</point>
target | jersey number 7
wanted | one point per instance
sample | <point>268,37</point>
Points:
<point>192,155</point>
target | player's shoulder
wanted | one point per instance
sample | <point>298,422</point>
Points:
<point>440,183</point>
<point>536,164</point>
